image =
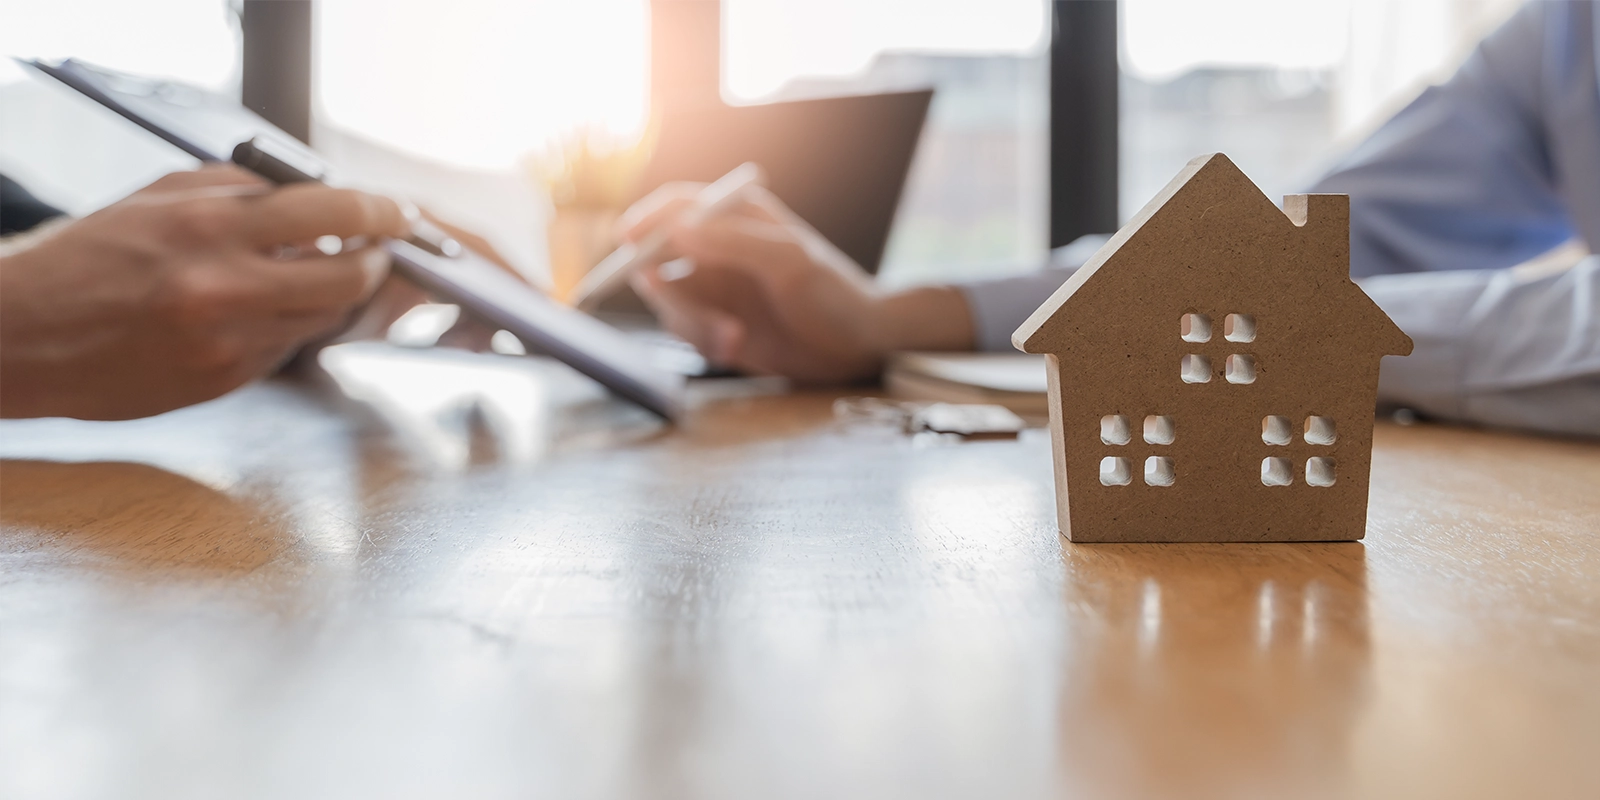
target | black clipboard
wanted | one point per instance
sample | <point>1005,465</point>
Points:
<point>208,126</point>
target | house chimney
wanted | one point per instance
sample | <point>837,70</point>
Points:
<point>1324,220</point>
<point>1320,210</point>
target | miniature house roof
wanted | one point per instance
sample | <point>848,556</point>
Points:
<point>1212,218</point>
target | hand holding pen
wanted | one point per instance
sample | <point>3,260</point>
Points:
<point>616,269</point>
<point>277,165</point>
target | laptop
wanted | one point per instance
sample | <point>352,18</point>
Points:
<point>838,162</point>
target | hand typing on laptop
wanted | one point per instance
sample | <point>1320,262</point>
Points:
<point>767,294</point>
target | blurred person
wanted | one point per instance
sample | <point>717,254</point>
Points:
<point>1495,167</point>
<point>179,293</point>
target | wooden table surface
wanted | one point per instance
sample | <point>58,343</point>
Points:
<point>470,576</point>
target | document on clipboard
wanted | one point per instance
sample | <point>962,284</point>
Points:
<point>209,126</point>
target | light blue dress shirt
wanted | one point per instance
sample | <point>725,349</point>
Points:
<point>1494,167</point>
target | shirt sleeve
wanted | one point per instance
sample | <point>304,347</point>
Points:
<point>1497,347</point>
<point>999,306</point>
<point>1462,178</point>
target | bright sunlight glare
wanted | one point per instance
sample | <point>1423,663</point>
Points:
<point>767,43</point>
<point>1165,38</point>
<point>189,40</point>
<point>480,83</point>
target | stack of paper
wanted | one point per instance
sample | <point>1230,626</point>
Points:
<point>1014,381</point>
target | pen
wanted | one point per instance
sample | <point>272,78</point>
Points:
<point>276,165</point>
<point>615,269</point>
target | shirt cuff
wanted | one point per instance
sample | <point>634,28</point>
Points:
<point>1431,308</point>
<point>999,306</point>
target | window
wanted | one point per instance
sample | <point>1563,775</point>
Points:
<point>1195,328</point>
<point>1158,430</point>
<point>387,71</point>
<point>1239,328</point>
<point>71,152</point>
<point>1115,471</point>
<point>1320,471</point>
<point>1158,471</point>
<point>977,195</point>
<point>1274,84</point>
<point>1276,472</point>
<point>1275,430</point>
<point>1240,369</point>
<point>1195,369</point>
<point>1320,430</point>
<point>1114,429</point>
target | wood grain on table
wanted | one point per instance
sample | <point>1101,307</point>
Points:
<point>476,577</point>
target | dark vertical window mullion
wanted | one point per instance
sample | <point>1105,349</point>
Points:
<point>1083,119</point>
<point>276,76</point>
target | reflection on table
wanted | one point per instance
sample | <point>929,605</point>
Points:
<point>433,574</point>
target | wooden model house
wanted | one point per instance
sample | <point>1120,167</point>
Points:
<point>1213,371</point>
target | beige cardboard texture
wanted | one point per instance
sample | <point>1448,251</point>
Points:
<point>1219,349</point>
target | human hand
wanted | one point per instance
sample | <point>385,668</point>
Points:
<point>768,294</point>
<point>180,293</point>
<point>397,296</point>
